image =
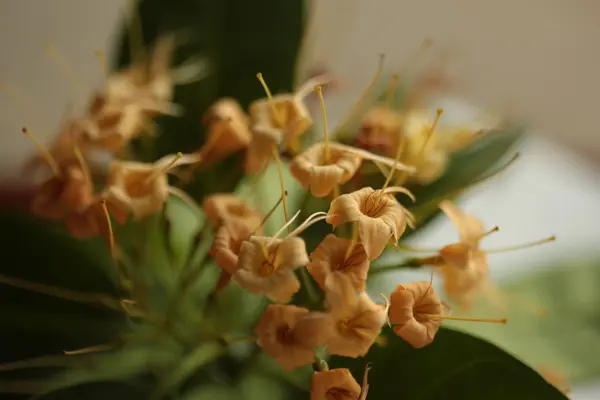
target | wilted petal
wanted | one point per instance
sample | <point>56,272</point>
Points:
<point>410,306</point>
<point>316,329</point>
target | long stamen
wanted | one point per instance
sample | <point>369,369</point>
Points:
<point>270,213</point>
<point>103,64</point>
<point>274,109</point>
<point>283,228</point>
<point>438,115</point>
<point>45,153</point>
<point>485,234</point>
<point>84,167</point>
<point>311,220</point>
<point>366,155</point>
<point>399,151</point>
<point>88,350</point>
<point>65,68</point>
<point>111,236</point>
<point>365,383</point>
<point>364,96</point>
<point>162,170</point>
<point>275,152</point>
<point>391,90</point>
<point>319,90</point>
<point>399,189</point>
<point>136,34</point>
<point>522,246</point>
<point>353,241</point>
<point>490,320</point>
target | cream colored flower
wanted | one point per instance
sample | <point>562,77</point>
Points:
<point>334,384</point>
<point>464,264</point>
<point>330,256</point>
<point>379,216</point>
<point>136,188</point>
<point>381,131</point>
<point>350,325</point>
<point>277,337</point>
<point>229,210</point>
<point>266,266</point>
<point>410,309</point>
<point>228,131</point>
<point>321,176</point>
<point>285,115</point>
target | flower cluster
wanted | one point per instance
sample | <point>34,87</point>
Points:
<point>406,146</point>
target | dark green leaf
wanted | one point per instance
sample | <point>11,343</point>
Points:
<point>455,365</point>
<point>563,338</point>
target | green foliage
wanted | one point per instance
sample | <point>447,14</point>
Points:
<point>455,364</point>
<point>562,338</point>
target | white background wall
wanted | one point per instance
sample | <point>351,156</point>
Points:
<point>543,56</point>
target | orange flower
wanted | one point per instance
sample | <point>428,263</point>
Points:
<point>464,265</point>
<point>321,176</point>
<point>225,251</point>
<point>72,190</point>
<point>334,384</point>
<point>410,309</point>
<point>110,128</point>
<point>228,131</point>
<point>277,336</point>
<point>141,189</point>
<point>378,214</point>
<point>231,211</point>
<point>284,115</point>
<point>330,256</point>
<point>350,325</point>
<point>260,150</point>
<point>266,266</point>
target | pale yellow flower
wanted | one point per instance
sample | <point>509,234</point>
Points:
<point>266,266</point>
<point>379,216</point>
<point>277,337</point>
<point>330,256</point>
<point>321,176</point>
<point>411,308</point>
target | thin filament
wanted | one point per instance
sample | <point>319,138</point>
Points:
<point>522,246</point>
<point>275,152</point>
<point>311,220</point>
<point>319,90</point>
<point>399,151</point>
<point>84,167</point>
<point>439,113</point>
<point>88,350</point>
<point>391,90</point>
<point>270,213</point>
<point>65,68</point>
<point>274,109</point>
<point>490,320</point>
<point>399,189</point>
<point>365,94</point>
<point>485,234</point>
<point>283,228</point>
<point>162,170</point>
<point>45,153</point>
<point>111,236</point>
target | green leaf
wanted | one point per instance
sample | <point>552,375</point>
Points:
<point>238,39</point>
<point>212,392</point>
<point>455,365</point>
<point>563,338</point>
<point>202,355</point>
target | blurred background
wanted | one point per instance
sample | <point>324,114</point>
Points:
<point>537,59</point>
